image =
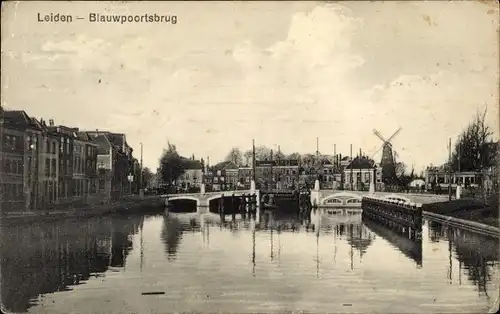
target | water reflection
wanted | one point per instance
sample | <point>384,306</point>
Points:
<point>476,254</point>
<point>171,235</point>
<point>50,257</point>
<point>410,248</point>
<point>246,265</point>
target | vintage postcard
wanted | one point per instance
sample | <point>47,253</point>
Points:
<point>249,157</point>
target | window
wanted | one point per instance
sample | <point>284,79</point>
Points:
<point>47,167</point>
<point>54,147</point>
<point>54,166</point>
<point>7,165</point>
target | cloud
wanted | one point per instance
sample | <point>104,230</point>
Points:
<point>336,71</point>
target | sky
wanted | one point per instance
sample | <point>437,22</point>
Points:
<point>282,73</point>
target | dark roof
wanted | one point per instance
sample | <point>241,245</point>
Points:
<point>192,164</point>
<point>20,119</point>
<point>84,136</point>
<point>118,140</point>
<point>103,144</point>
<point>362,163</point>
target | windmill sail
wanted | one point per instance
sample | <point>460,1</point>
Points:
<point>388,163</point>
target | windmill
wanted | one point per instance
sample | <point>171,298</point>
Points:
<point>388,162</point>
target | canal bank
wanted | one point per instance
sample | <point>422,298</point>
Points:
<point>128,205</point>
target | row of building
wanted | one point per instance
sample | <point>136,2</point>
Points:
<point>284,174</point>
<point>47,166</point>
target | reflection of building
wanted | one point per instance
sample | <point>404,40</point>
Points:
<point>359,237</point>
<point>45,258</point>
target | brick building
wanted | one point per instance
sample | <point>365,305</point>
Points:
<point>114,164</point>
<point>21,137</point>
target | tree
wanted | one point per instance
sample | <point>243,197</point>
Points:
<point>472,148</point>
<point>171,165</point>
<point>235,156</point>
<point>262,153</point>
<point>248,157</point>
<point>279,155</point>
<point>147,176</point>
<point>295,156</point>
<point>400,169</point>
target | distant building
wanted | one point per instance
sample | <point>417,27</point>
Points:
<point>358,174</point>
<point>192,176</point>
<point>89,159</point>
<point>277,174</point>
<point>225,176</point>
<point>417,183</point>
<point>244,177</point>
<point>49,161</point>
<point>66,137</point>
<point>114,164</point>
<point>440,177</point>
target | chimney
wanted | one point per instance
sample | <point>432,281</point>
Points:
<point>51,122</point>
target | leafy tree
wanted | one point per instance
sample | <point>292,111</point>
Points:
<point>171,165</point>
<point>235,156</point>
<point>295,156</point>
<point>472,150</point>
<point>147,176</point>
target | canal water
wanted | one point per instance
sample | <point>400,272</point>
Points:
<point>191,263</point>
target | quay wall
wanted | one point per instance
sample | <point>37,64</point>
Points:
<point>127,205</point>
<point>468,225</point>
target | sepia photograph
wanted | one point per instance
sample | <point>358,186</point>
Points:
<point>249,157</point>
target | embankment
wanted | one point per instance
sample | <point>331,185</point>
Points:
<point>129,205</point>
<point>469,214</point>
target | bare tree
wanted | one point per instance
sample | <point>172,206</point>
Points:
<point>472,149</point>
<point>235,155</point>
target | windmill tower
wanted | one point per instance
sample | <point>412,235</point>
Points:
<point>388,162</point>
